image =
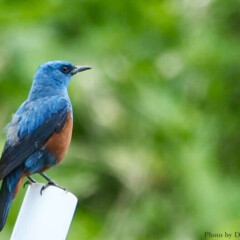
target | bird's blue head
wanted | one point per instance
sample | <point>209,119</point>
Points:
<point>54,76</point>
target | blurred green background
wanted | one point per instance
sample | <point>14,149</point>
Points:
<point>156,143</point>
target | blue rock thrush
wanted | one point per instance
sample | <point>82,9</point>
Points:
<point>40,132</point>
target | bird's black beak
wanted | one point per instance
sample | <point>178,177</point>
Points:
<point>79,69</point>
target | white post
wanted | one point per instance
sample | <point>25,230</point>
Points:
<point>47,216</point>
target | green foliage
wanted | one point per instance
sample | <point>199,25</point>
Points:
<point>156,144</point>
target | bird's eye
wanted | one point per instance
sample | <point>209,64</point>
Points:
<point>65,69</point>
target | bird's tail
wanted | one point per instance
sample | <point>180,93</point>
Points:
<point>10,186</point>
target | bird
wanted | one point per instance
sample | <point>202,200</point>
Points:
<point>40,132</point>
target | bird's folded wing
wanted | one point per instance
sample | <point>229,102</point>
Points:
<point>14,155</point>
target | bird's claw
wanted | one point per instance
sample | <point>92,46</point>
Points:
<point>30,181</point>
<point>27,183</point>
<point>50,184</point>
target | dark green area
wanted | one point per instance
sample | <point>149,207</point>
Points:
<point>156,144</point>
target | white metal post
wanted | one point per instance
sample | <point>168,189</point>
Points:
<point>44,217</point>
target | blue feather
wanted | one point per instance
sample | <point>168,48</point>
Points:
<point>33,114</point>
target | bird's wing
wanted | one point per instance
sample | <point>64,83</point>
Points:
<point>29,131</point>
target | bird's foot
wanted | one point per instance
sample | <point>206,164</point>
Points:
<point>51,183</point>
<point>29,181</point>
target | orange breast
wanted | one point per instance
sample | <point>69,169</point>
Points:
<point>58,143</point>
